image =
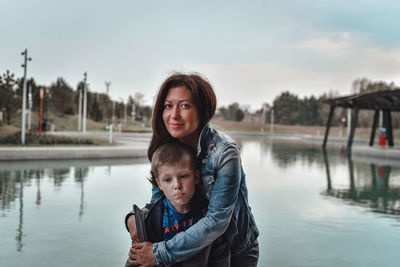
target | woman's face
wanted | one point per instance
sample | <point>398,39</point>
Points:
<point>181,116</point>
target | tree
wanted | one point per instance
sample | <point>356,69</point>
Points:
<point>105,104</point>
<point>309,111</point>
<point>138,99</point>
<point>62,96</point>
<point>233,112</point>
<point>8,100</point>
<point>359,85</point>
<point>146,111</point>
<point>286,108</point>
<point>96,113</point>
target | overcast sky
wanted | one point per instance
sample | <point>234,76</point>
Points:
<point>251,51</point>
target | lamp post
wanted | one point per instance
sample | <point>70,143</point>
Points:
<point>80,109</point>
<point>41,96</point>
<point>113,113</point>
<point>348,121</point>
<point>133,113</point>
<point>84,102</point>
<point>272,121</point>
<point>25,66</point>
<point>125,112</point>
<point>108,87</point>
<point>30,106</point>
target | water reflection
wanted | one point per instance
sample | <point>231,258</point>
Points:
<point>14,180</point>
<point>38,194</point>
<point>80,175</point>
<point>21,216</point>
<point>370,185</point>
<point>289,152</point>
<point>12,188</point>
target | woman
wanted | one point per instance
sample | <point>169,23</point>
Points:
<point>184,106</point>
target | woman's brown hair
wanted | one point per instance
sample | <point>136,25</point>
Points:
<point>203,97</point>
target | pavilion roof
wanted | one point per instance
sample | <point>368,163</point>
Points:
<point>382,100</point>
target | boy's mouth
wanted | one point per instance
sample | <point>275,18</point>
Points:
<point>180,195</point>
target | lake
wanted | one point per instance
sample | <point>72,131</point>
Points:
<point>312,208</point>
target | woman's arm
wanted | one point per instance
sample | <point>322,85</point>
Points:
<point>222,201</point>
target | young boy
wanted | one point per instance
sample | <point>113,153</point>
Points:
<point>173,170</point>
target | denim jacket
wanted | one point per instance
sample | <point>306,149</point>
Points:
<point>224,184</point>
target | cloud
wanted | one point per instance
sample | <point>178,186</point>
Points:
<point>330,62</point>
<point>261,82</point>
<point>328,46</point>
<point>351,54</point>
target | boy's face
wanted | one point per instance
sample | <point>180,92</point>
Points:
<point>178,182</point>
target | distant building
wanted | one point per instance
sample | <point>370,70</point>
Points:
<point>259,117</point>
<point>252,117</point>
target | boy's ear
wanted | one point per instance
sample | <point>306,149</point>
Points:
<point>158,182</point>
<point>197,176</point>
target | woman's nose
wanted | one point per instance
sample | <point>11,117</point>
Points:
<point>175,112</point>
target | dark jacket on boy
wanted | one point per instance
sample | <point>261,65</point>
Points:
<point>149,225</point>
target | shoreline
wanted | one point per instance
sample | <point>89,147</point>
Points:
<point>134,145</point>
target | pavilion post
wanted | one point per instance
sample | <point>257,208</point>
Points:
<point>387,122</point>
<point>374,126</point>
<point>328,172</point>
<point>328,125</point>
<point>353,128</point>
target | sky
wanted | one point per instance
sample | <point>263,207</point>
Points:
<point>250,50</point>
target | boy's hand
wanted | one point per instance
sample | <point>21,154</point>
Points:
<point>141,254</point>
<point>132,229</point>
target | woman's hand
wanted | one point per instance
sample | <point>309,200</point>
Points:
<point>132,229</point>
<point>141,254</point>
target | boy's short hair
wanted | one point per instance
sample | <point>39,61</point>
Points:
<point>170,153</point>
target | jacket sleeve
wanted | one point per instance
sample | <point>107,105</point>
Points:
<point>156,193</point>
<point>222,200</point>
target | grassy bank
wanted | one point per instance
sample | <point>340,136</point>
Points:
<point>37,139</point>
<point>70,122</point>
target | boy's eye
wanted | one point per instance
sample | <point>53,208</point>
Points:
<point>183,176</point>
<point>167,180</point>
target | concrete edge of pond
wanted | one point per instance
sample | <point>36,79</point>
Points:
<point>377,152</point>
<point>81,152</point>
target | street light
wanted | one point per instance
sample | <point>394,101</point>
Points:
<point>84,102</point>
<point>80,109</point>
<point>125,112</point>
<point>272,120</point>
<point>25,66</point>
<point>113,112</point>
<point>108,87</point>
<point>30,106</point>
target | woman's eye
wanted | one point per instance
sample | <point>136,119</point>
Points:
<point>167,106</point>
<point>185,106</point>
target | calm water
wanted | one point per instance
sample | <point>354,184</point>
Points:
<point>311,209</point>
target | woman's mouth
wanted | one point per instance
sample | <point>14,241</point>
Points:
<point>175,125</point>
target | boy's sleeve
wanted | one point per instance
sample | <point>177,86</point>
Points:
<point>156,193</point>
